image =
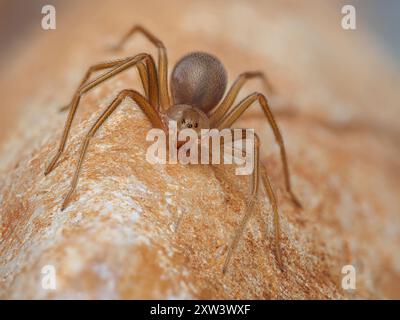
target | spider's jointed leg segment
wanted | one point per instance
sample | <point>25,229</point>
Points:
<point>111,64</point>
<point>238,110</point>
<point>129,62</point>
<point>250,203</point>
<point>272,199</point>
<point>144,77</point>
<point>141,101</point>
<point>233,92</point>
<point>94,68</point>
<point>162,61</point>
<point>260,171</point>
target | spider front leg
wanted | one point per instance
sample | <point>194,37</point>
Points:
<point>151,113</point>
<point>162,61</point>
<point>250,203</point>
<point>237,111</point>
<point>129,62</point>
<point>272,199</point>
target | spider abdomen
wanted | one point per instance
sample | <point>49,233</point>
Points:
<point>199,80</point>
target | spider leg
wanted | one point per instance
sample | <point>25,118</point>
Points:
<point>132,61</point>
<point>233,92</point>
<point>94,68</point>
<point>272,199</point>
<point>250,203</point>
<point>227,120</point>
<point>162,61</point>
<point>110,64</point>
<point>144,77</point>
<point>141,101</point>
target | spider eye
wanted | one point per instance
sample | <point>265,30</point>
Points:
<point>196,125</point>
<point>183,121</point>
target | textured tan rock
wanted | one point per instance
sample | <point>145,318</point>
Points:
<point>117,238</point>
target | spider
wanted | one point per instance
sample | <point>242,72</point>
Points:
<point>198,84</point>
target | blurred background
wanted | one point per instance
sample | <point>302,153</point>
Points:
<point>383,21</point>
<point>380,18</point>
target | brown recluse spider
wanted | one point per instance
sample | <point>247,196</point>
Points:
<point>198,83</point>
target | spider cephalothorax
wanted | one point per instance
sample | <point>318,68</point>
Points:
<point>198,83</point>
<point>187,117</point>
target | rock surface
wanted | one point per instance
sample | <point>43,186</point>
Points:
<point>117,238</point>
